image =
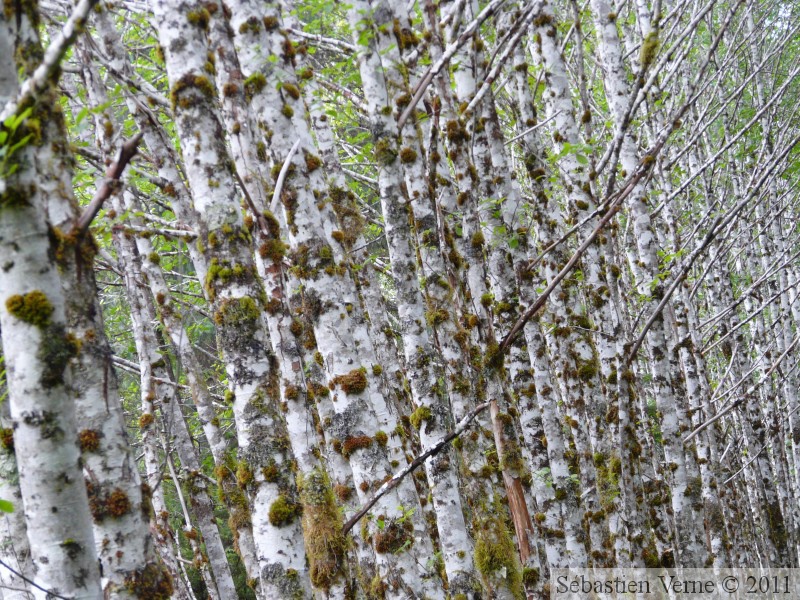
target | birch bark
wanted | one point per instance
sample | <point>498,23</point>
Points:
<point>328,296</point>
<point>238,300</point>
<point>14,548</point>
<point>33,321</point>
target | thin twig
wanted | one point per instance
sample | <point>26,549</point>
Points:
<point>48,68</point>
<point>414,464</point>
<point>752,389</point>
<point>273,206</point>
<point>534,128</point>
<point>432,71</point>
<point>109,185</point>
<point>49,593</point>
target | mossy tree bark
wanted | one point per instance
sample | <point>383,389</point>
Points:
<point>238,301</point>
<point>33,322</point>
<point>14,549</point>
<point>393,212</point>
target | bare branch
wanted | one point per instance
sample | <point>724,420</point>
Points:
<point>45,72</point>
<point>109,185</point>
<point>414,464</point>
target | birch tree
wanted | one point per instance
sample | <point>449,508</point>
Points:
<point>411,300</point>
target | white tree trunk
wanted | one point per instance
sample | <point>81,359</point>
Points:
<point>238,300</point>
<point>33,323</point>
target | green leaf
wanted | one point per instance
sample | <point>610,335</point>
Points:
<point>12,122</point>
<point>19,144</point>
<point>6,506</point>
<point>82,115</point>
<point>581,159</point>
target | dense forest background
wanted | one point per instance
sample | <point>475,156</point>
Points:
<point>387,299</point>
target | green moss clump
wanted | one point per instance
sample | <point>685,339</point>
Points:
<point>496,557</point>
<point>187,82</point>
<point>270,22</point>
<point>530,576</point>
<point>649,49</point>
<point>354,443</point>
<point>353,382</point>
<point>316,390</point>
<point>152,583</point>
<point>56,348</point>
<point>271,473</point>
<point>7,439</point>
<point>436,317</point>
<point>477,240</point>
<point>326,546</point>
<point>456,132</point>
<point>118,504</point>
<point>503,307</point>
<point>252,25</point>
<point>291,90</point>
<point>253,85</point>
<point>283,511</point>
<point>650,558</point>
<point>273,305</point>
<point>204,84</point>
<point>609,470</point>
<point>381,438</point>
<point>407,156</point>
<point>403,100</point>
<point>394,536</point>
<point>494,357</point>
<point>287,111</point>
<point>273,249</point>
<point>289,50</point>
<point>229,90</point>
<point>582,321</point>
<point>471,321</point>
<point>234,311</point>
<point>313,162</point>
<point>244,475</point>
<point>385,154</point>
<point>423,413</point>
<point>33,308</point>
<point>261,151</point>
<point>512,459</point>
<point>199,18</point>
<point>338,235</point>
<point>273,225</point>
<point>587,371</point>
<point>14,196</point>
